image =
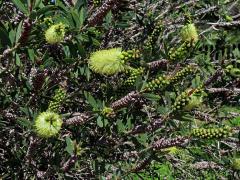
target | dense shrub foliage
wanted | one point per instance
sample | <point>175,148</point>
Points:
<point>119,89</point>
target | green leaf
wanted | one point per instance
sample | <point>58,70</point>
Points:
<point>31,54</point>
<point>70,146</point>
<point>23,122</point>
<point>21,6</point>
<point>151,97</point>
<point>91,100</point>
<point>4,39</point>
<point>99,121</point>
<point>19,31</point>
<point>43,10</point>
<point>82,16</point>
<point>120,126</point>
<point>142,138</point>
<point>18,61</point>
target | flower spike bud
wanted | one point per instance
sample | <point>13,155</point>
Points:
<point>189,33</point>
<point>211,133</point>
<point>58,98</point>
<point>55,33</point>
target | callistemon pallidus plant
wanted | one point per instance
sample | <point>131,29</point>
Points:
<point>108,62</point>
<point>55,33</point>
<point>48,124</point>
<point>152,87</point>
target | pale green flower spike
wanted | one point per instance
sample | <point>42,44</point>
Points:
<point>55,33</point>
<point>107,62</point>
<point>189,33</point>
<point>48,124</point>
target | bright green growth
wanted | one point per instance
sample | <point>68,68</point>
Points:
<point>107,111</point>
<point>48,124</point>
<point>55,33</point>
<point>236,164</point>
<point>196,99</point>
<point>172,150</point>
<point>210,133</point>
<point>189,33</point>
<point>57,100</point>
<point>107,62</point>
<point>235,121</point>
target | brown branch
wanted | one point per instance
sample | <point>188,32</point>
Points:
<point>101,12</point>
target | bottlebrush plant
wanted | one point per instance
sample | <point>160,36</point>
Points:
<point>119,89</point>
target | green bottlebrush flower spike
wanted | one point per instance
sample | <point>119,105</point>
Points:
<point>107,62</point>
<point>134,73</point>
<point>48,124</point>
<point>55,33</point>
<point>154,36</point>
<point>189,33</point>
<point>188,100</point>
<point>58,98</point>
<point>211,133</point>
<point>128,84</point>
<point>157,83</point>
<point>181,52</point>
<point>163,81</point>
<point>190,69</point>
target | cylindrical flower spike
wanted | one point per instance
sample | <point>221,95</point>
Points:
<point>190,69</point>
<point>107,62</point>
<point>151,40</point>
<point>182,52</point>
<point>189,99</point>
<point>134,73</point>
<point>48,124</point>
<point>58,98</point>
<point>210,133</point>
